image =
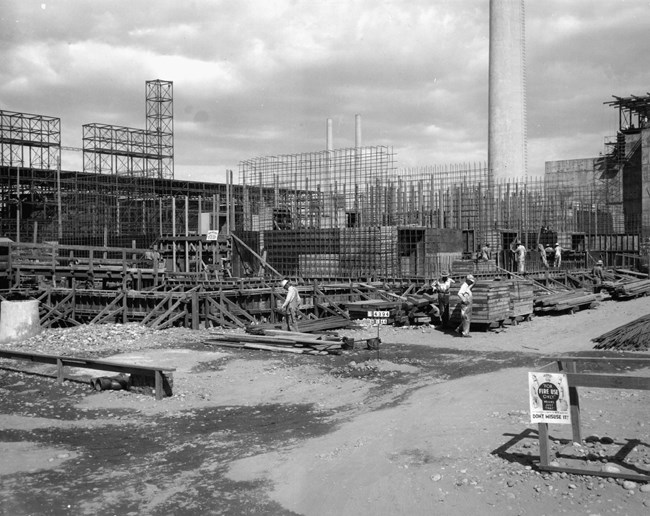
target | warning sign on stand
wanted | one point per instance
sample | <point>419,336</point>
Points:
<point>549,398</point>
<point>380,316</point>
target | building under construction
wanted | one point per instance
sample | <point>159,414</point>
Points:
<point>336,213</point>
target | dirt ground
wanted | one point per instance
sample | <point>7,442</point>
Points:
<point>428,424</point>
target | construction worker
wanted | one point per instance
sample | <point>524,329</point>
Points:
<point>465,295</point>
<point>442,287</point>
<point>520,257</point>
<point>558,255</point>
<point>427,291</point>
<point>597,273</point>
<point>486,252</point>
<point>290,306</point>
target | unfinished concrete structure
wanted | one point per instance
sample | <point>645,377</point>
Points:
<point>336,213</point>
<point>612,188</point>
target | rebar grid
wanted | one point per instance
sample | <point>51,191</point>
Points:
<point>413,221</point>
<point>108,209</point>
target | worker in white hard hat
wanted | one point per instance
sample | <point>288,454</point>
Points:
<point>290,305</point>
<point>442,287</point>
<point>597,273</point>
<point>520,257</point>
<point>465,295</point>
<point>558,255</point>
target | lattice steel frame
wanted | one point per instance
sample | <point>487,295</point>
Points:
<point>112,149</point>
<point>29,140</point>
<point>160,125</point>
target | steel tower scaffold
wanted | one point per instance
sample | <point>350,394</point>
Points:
<point>112,149</point>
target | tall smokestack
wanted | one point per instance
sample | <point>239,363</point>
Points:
<point>328,138</point>
<point>357,131</point>
<point>507,154</point>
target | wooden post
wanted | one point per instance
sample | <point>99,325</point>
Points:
<point>59,371</point>
<point>196,320</point>
<point>544,449</point>
<point>159,384</point>
<point>125,306</point>
<point>574,403</point>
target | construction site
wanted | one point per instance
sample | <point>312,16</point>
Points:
<point>124,234</point>
<point>367,403</point>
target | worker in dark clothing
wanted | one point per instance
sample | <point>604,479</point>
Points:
<point>597,273</point>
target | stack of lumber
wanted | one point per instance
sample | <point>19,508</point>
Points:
<point>566,300</point>
<point>522,297</point>
<point>417,308</point>
<point>334,322</point>
<point>630,289</point>
<point>491,303</point>
<point>278,340</point>
<point>629,337</point>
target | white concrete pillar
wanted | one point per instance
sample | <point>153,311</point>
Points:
<point>19,320</point>
<point>507,154</point>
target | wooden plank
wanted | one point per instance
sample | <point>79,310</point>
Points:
<point>585,471</point>
<point>607,381</point>
<point>544,448</point>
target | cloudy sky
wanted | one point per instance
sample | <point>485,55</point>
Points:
<point>261,77</point>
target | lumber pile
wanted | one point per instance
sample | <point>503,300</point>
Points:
<point>280,341</point>
<point>360,309</point>
<point>335,322</point>
<point>522,298</point>
<point>634,336</point>
<point>566,301</point>
<point>491,303</point>
<point>630,289</point>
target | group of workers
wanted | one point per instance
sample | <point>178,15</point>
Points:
<point>440,287</point>
<point>551,256</point>
<point>440,310</point>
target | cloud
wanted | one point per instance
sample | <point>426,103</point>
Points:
<point>254,78</point>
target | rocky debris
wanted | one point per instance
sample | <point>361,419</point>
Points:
<point>97,340</point>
